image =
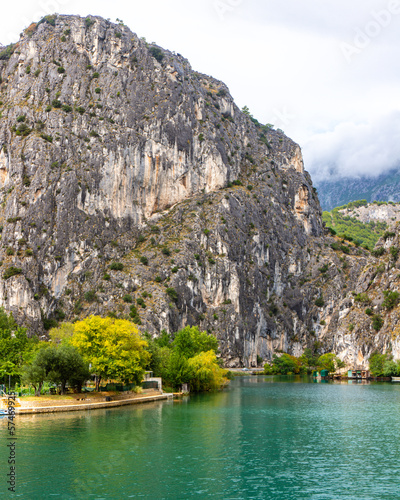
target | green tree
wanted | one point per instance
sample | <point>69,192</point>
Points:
<point>68,367</point>
<point>62,333</point>
<point>113,347</point>
<point>205,373</point>
<point>190,341</point>
<point>382,365</point>
<point>376,362</point>
<point>37,372</point>
<point>283,365</point>
<point>309,359</point>
<point>14,347</point>
<point>330,362</point>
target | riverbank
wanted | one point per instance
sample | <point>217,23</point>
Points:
<point>81,402</point>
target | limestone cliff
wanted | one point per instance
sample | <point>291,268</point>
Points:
<point>132,185</point>
<point>367,318</point>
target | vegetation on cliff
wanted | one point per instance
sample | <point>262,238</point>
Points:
<point>350,228</point>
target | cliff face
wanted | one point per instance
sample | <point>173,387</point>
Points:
<point>366,319</point>
<point>132,185</point>
<point>374,212</point>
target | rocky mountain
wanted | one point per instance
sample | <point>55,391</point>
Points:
<point>374,212</point>
<point>367,318</point>
<point>132,185</point>
<point>385,187</point>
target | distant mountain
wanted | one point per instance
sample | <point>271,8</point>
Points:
<point>363,222</point>
<point>385,187</point>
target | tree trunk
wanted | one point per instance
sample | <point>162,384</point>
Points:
<point>39,389</point>
<point>98,379</point>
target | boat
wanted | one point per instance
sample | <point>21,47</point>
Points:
<point>395,379</point>
<point>3,413</point>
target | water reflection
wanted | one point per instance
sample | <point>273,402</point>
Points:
<point>263,437</point>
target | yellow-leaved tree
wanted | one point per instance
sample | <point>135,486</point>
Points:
<point>113,347</point>
<point>205,373</point>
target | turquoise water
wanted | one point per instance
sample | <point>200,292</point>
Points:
<point>261,438</point>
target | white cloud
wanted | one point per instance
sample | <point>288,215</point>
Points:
<point>284,60</point>
<point>355,150</point>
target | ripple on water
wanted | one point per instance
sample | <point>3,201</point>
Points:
<point>261,438</point>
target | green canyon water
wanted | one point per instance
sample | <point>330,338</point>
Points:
<point>263,437</point>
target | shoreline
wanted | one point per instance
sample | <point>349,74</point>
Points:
<point>25,410</point>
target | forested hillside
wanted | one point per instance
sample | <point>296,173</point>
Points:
<point>345,220</point>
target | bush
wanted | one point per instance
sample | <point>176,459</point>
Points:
<point>320,302</point>
<point>49,20</point>
<point>172,294</point>
<point>11,271</point>
<point>56,103</point>
<point>46,137</point>
<point>156,53</point>
<point>127,298</point>
<point>368,311</point>
<point>391,299</point>
<point>388,234</point>
<point>378,252</point>
<point>144,260</point>
<point>60,69</point>
<point>377,322</point>
<point>394,252</point>
<point>89,22</point>
<point>135,316</point>
<point>90,296</point>
<point>116,266</point>
<point>23,130</point>
<point>362,298</point>
<point>6,53</point>
<point>141,302</point>
<point>324,268</point>
<point>66,108</point>
<point>166,251</point>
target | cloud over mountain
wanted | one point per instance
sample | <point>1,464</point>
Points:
<point>355,150</point>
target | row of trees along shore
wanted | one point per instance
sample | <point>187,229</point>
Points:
<point>380,365</point>
<point>108,349</point>
<point>285,364</point>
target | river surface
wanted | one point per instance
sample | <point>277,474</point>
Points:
<point>263,437</point>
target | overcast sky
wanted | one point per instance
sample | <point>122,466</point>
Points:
<point>327,73</point>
